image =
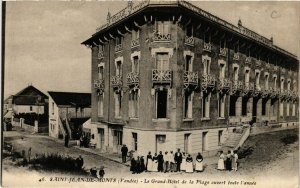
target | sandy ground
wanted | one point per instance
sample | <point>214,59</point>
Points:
<point>270,161</point>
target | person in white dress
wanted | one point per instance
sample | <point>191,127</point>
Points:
<point>183,164</point>
<point>199,163</point>
<point>189,164</point>
<point>221,165</point>
<point>172,162</point>
<point>155,163</point>
<point>149,162</point>
<point>235,158</point>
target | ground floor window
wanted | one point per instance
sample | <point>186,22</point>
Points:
<point>263,107</point>
<point>187,142</point>
<point>204,141</point>
<point>118,135</point>
<point>232,105</point>
<point>294,110</point>
<point>244,106</point>
<point>134,141</point>
<point>281,108</point>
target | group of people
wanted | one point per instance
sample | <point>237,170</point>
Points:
<point>167,162</point>
<point>229,161</point>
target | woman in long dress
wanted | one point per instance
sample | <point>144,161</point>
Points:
<point>221,161</point>
<point>155,163</point>
<point>199,163</point>
<point>149,162</point>
<point>234,160</point>
<point>189,164</point>
<point>228,161</point>
<point>183,164</point>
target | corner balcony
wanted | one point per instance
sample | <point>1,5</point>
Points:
<point>207,47</point>
<point>248,60</point>
<point>257,91</point>
<point>99,84</point>
<point>161,37</point>
<point>190,79</point>
<point>133,79</point>
<point>116,82</point>
<point>237,86</point>
<point>248,88</point>
<point>100,54</point>
<point>189,40</point>
<point>224,84</point>
<point>135,43</point>
<point>236,56</point>
<point>161,77</point>
<point>208,82</point>
<point>118,47</point>
<point>223,52</point>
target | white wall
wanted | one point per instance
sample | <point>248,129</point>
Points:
<point>53,119</point>
<point>26,109</point>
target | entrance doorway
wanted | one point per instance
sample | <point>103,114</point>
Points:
<point>204,141</point>
<point>187,143</point>
<point>117,140</point>
<point>134,141</point>
<point>101,138</point>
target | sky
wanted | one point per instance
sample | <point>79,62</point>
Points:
<point>42,44</point>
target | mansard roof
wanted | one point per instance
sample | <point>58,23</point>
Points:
<point>131,11</point>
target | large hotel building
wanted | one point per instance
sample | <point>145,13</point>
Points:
<point>168,75</point>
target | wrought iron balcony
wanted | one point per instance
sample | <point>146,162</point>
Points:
<point>190,79</point>
<point>135,43</point>
<point>236,56</point>
<point>224,84</point>
<point>248,88</point>
<point>118,47</point>
<point>289,95</point>
<point>265,92</point>
<point>207,47</point>
<point>100,54</point>
<point>189,40</point>
<point>117,82</point>
<point>223,52</point>
<point>161,76</point>
<point>158,37</point>
<point>237,86</point>
<point>133,79</point>
<point>274,92</point>
<point>257,90</point>
<point>248,60</point>
<point>208,81</point>
<point>295,96</point>
<point>99,84</point>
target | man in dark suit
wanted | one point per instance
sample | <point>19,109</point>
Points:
<point>124,151</point>
<point>178,160</point>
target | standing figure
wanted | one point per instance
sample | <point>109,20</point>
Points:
<point>160,160</point>
<point>101,172</point>
<point>199,163</point>
<point>79,162</point>
<point>67,137</point>
<point>183,164</point>
<point>155,163</point>
<point>178,160</point>
<point>167,161</point>
<point>221,161</point>
<point>228,160</point>
<point>172,162</point>
<point>124,151</point>
<point>235,158</point>
<point>133,165</point>
<point>138,165</point>
<point>81,141</point>
<point>93,172</point>
<point>189,164</point>
<point>142,164</point>
<point>149,162</point>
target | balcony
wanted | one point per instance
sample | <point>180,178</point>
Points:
<point>99,84</point>
<point>295,95</point>
<point>237,86</point>
<point>118,47</point>
<point>224,84</point>
<point>189,40</point>
<point>208,81</point>
<point>257,91</point>
<point>265,92</point>
<point>161,37</point>
<point>248,60</point>
<point>133,79</point>
<point>223,52</point>
<point>100,54</point>
<point>236,56</point>
<point>116,82</point>
<point>190,79</point>
<point>161,76</point>
<point>258,63</point>
<point>274,92</point>
<point>135,43</point>
<point>207,47</point>
<point>248,88</point>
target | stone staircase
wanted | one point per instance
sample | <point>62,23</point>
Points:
<point>236,138</point>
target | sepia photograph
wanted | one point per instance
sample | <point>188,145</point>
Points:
<point>150,94</point>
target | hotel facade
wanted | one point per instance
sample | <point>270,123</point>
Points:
<point>168,75</point>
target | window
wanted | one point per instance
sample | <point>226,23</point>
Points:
<point>221,106</point>
<point>287,109</point>
<point>162,61</point>
<point>267,81</point>
<point>30,108</point>
<point>161,103</point>
<point>222,71</point>
<point>163,27</point>
<point>188,63</point>
<point>118,104</point>
<point>220,134</point>
<point>294,109</point>
<point>133,104</point>
<point>264,106</point>
<point>235,73</point>
<point>244,106</point>
<point>100,105</point>
<point>247,77</point>
<point>100,71</point>
<point>205,105</point>
<point>134,140</point>
<point>52,108</point>
<point>187,142</point>
<point>206,64</point>
<point>289,85</point>
<point>119,40</point>
<point>135,64</point>
<point>188,105</point>
<point>119,68</point>
<point>275,81</point>
<point>118,137</point>
<point>257,74</point>
<point>135,34</point>
<point>282,84</point>
<point>281,109</point>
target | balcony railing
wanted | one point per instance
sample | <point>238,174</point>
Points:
<point>135,42</point>
<point>257,90</point>
<point>118,47</point>
<point>207,47</point>
<point>224,84</point>
<point>248,88</point>
<point>236,56</point>
<point>274,92</point>
<point>265,92</point>
<point>189,40</point>
<point>248,60</point>
<point>295,96</point>
<point>237,86</point>
<point>258,63</point>
<point>190,79</point>
<point>133,79</point>
<point>208,81</point>
<point>158,37</point>
<point>100,54</point>
<point>117,82</point>
<point>99,84</point>
<point>161,76</point>
<point>223,52</point>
